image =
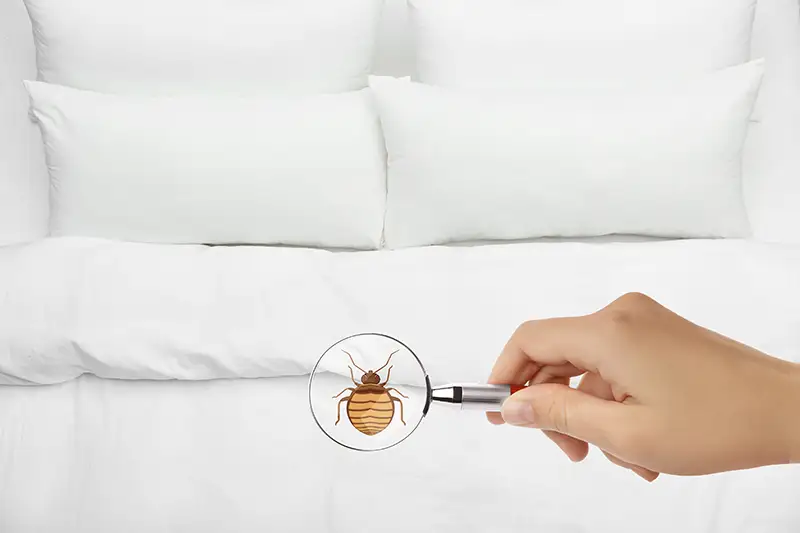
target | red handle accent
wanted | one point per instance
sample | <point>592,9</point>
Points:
<point>516,388</point>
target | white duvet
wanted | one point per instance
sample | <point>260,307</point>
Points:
<point>239,455</point>
<point>70,306</point>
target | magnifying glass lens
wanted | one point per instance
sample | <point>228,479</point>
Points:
<point>368,392</point>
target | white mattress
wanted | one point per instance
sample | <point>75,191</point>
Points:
<point>244,455</point>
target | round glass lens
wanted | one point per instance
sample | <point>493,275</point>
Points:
<point>368,392</point>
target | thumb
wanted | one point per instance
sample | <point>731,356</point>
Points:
<point>565,410</point>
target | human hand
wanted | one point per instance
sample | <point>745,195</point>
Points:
<point>658,393</point>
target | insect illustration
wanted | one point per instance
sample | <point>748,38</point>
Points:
<point>370,407</point>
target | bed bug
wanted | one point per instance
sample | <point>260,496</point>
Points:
<point>370,407</point>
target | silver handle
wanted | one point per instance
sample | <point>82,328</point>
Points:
<point>484,397</point>
<point>472,396</point>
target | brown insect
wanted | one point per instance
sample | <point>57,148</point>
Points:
<point>370,407</point>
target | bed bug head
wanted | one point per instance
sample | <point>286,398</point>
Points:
<point>370,377</point>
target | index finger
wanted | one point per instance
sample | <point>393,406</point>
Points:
<point>548,342</point>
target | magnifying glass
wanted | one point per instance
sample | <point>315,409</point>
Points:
<point>369,392</point>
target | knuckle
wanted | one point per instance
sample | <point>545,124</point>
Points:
<point>634,301</point>
<point>624,312</point>
<point>524,332</point>
<point>619,318</point>
<point>616,325</point>
<point>525,328</point>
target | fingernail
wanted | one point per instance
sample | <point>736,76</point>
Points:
<point>518,413</point>
<point>645,475</point>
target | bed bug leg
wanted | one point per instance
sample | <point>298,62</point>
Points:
<point>352,377</point>
<point>397,391</point>
<point>398,400</point>
<point>339,409</point>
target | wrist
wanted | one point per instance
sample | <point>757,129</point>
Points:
<point>783,439</point>
<point>793,420</point>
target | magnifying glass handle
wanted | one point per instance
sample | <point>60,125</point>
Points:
<point>475,396</point>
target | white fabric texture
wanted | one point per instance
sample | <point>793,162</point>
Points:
<point>23,176</point>
<point>145,311</point>
<point>244,456</point>
<point>772,152</point>
<point>657,159</point>
<point>473,42</point>
<point>157,46</point>
<point>303,170</point>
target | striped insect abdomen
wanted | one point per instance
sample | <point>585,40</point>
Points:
<point>370,409</point>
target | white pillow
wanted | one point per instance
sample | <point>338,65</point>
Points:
<point>23,178</point>
<point>162,46</point>
<point>772,152</point>
<point>478,44</point>
<point>303,170</point>
<point>648,160</point>
<point>472,43</point>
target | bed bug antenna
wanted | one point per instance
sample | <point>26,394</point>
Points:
<point>354,363</point>
<point>387,361</point>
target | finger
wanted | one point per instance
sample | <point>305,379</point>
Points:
<point>495,418</point>
<point>568,411</point>
<point>644,473</point>
<point>555,341</point>
<point>525,374</point>
<point>511,370</point>
<point>556,374</point>
<point>593,384</point>
<point>546,374</point>
<point>575,449</point>
<point>518,374</point>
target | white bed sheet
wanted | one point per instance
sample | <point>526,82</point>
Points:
<point>136,311</point>
<point>95,455</point>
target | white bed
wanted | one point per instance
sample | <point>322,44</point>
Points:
<point>163,388</point>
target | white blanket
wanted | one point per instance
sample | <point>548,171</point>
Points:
<point>138,311</point>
